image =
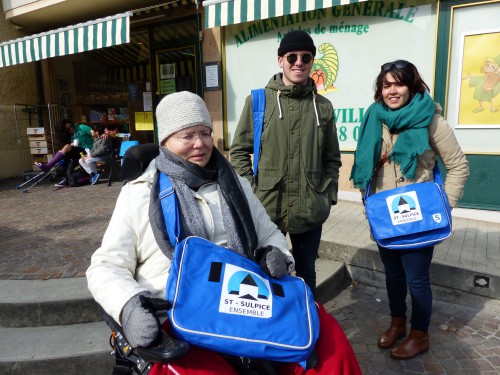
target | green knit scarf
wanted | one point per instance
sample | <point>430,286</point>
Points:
<point>411,122</point>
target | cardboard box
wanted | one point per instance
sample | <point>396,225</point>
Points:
<point>35,131</point>
<point>39,150</point>
<point>38,143</point>
<point>37,138</point>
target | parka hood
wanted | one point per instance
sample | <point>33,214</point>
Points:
<point>293,91</point>
<point>276,83</point>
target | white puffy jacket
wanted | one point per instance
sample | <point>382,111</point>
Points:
<point>129,260</point>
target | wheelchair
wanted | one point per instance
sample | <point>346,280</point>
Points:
<point>165,349</point>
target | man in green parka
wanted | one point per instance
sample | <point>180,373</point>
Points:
<point>298,168</point>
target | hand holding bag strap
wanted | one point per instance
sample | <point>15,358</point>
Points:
<point>170,209</point>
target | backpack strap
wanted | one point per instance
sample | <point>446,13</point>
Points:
<point>258,109</point>
<point>170,208</point>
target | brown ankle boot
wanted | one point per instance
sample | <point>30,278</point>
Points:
<point>417,342</point>
<point>396,330</point>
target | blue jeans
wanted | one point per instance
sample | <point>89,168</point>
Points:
<point>305,248</point>
<point>409,269</point>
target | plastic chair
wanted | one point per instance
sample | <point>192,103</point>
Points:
<point>115,160</point>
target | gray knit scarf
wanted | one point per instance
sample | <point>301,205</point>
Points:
<point>186,178</point>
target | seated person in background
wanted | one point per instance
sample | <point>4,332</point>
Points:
<point>75,138</point>
<point>102,148</point>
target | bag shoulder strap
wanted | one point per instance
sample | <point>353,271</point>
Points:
<point>258,109</point>
<point>438,179</point>
<point>170,208</point>
<point>381,163</point>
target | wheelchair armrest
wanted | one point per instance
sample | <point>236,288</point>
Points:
<point>165,350</point>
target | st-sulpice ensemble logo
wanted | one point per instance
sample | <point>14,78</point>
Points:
<point>404,208</point>
<point>245,293</point>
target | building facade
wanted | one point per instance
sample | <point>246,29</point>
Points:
<point>221,49</point>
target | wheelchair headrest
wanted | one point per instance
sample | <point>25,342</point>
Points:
<point>125,145</point>
<point>136,160</point>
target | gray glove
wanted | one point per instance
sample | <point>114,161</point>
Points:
<point>140,326</point>
<point>272,261</point>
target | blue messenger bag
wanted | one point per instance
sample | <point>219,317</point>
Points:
<point>224,302</point>
<point>410,217</point>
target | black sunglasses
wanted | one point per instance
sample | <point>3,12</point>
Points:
<point>292,58</point>
<point>400,64</point>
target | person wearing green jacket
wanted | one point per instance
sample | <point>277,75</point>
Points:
<point>83,135</point>
<point>299,162</point>
<point>79,138</point>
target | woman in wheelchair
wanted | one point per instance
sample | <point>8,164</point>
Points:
<point>216,204</point>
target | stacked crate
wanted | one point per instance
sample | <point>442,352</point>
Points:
<point>40,146</point>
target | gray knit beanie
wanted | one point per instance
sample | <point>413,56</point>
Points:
<point>181,110</point>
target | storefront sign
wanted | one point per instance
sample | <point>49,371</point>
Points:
<point>352,42</point>
<point>167,86</point>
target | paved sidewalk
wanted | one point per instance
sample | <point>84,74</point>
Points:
<point>50,234</point>
<point>463,340</point>
<point>474,244</point>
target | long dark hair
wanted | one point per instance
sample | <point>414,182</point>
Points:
<point>64,135</point>
<point>405,73</point>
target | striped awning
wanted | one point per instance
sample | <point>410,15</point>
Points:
<point>230,12</point>
<point>87,36</point>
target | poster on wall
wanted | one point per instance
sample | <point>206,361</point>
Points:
<point>352,42</point>
<point>167,71</point>
<point>144,121</point>
<point>473,96</point>
<point>479,99</point>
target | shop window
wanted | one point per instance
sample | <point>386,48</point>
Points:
<point>176,70</point>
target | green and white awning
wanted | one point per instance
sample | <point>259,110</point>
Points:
<point>230,12</point>
<point>100,33</point>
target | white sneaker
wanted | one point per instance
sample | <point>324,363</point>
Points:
<point>62,183</point>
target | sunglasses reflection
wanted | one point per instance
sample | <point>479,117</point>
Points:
<point>399,64</point>
<point>292,58</point>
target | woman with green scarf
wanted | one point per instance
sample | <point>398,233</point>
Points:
<point>404,128</point>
